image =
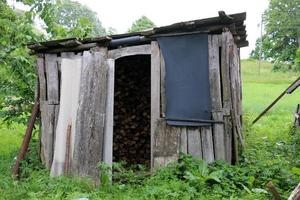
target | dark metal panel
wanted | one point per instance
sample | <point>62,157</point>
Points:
<point>187,78</point>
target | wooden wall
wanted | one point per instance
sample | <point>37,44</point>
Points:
<point>94,118</point>
<point>216,141</point>
<point>86,145</point>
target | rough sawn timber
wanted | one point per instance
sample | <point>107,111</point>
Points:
<point>216,96</point>
<point>166,144</point>
<point>65,129</point>
<point>52,79</point>
<point>91,114</point>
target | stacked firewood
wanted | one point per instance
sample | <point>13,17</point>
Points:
<point>131,142</point>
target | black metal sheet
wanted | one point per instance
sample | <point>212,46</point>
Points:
<point>187,78</point>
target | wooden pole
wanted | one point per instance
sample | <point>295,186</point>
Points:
<point>274,102</point>
<point>27,137</point>
<point>273,191</point>
<point>295,195</point>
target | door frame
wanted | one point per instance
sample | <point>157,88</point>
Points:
<point>113,55</point>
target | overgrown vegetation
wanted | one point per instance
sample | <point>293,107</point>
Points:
<point>272,146</point>
<point>271,154</point>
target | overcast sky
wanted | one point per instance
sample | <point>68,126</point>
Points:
<point>120,14</point>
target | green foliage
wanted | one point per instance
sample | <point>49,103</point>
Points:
<point>141,24</point>
<point>282,28</point>
<point>297,60</point>
<point>17,77</point>
<point>65,18</point>
<point>282,20</point>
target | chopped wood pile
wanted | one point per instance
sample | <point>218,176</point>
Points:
<point>131,140</point>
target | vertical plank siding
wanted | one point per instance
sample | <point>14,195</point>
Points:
<point>183,145</point>
<point>216,96</point>
<point>48,125</point>
<point>194,142</point>
<point>90,120</point>
<point>66,120</point>
<point>89,138</point>
<point>207,144</point>
<point>42,77</point>
<point>108,134</point>
<point>47,71</point>
<point>165,144</point>
<point>52,79</point>
<point>155,95</point>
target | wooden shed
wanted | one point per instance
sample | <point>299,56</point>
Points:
<point>142,97</point>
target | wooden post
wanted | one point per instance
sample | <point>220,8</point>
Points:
<point>226,88</point>
<point>27,137</point>
<point>216,96</point>
<point>273,191</point>
<point>295,195</point>
<point>108,132</point>
<point>155,92</point>
<point>162,86</point>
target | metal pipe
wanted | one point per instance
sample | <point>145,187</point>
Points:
<point>195,120</point>
<point>127,41</point>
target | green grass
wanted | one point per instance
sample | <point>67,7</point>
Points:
<point>271,153</point>
<point>250,73</point>
<point>260,90</point>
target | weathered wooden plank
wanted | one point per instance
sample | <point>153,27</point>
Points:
<point>219,137</point>
<point>296,192</point>
<point>226,88</point>
<point>183,140</point>
<point>207,144</point>
<point>228,138</point>
<point>235,147</point>
<point>64,140</point>
<point>214,73</point>
<point>108,132</point>
<point>42,77</point>
<point>194,142</point>
<point>130,51</point>
<point>52,79</point>
<point>233,67</point>
<point>166,144</point>
<point>90,120</point>
<point>216,96</point>
<point>155,92</point>
<point>162,85</point>
<point>235,95</point>
<point>48,125</point>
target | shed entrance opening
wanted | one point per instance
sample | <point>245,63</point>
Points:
<point>132,102</point>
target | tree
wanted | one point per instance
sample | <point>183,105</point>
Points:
<point>141,24</point>
<point>17,77</point>
<point>17,71</point>
<point>65,18</point>
<point>282,22</point>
